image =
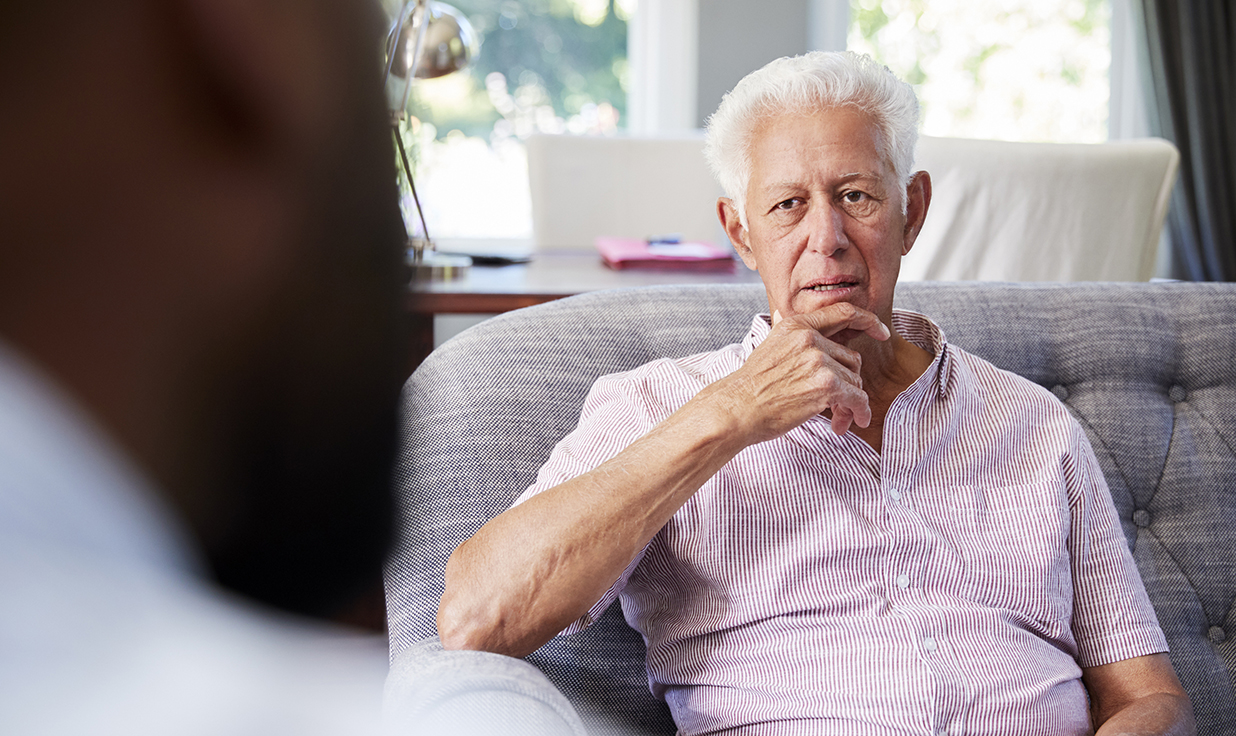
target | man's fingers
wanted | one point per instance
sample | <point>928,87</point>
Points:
<point>850,410</point>
<point>846,358</point>
<point>834,318</point>
<point>846,365</point>
<point>841,421</point>
<point>799,372</point>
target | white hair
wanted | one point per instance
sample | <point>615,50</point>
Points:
<point>805,84</point>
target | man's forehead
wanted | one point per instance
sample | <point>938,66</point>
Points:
<point>821,117</point>
<point>789,144</point>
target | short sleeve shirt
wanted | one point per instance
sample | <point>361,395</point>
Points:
<point>955,582</point>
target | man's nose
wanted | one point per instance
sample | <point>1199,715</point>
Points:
<point>826,233</point>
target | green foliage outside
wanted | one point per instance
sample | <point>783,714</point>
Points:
<point>1008,69</point>
<point>535,56</point>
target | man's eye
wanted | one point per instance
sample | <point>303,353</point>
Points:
<point>789,204</point>
<point>854,197</point>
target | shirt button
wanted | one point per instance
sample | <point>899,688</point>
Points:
<point>929,644</point>
<point>896,494</point>
<point>903,581</point>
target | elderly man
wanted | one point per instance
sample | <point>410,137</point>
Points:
<point>843,524</point>
<point>201,285</point>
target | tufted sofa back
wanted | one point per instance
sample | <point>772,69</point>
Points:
<point>1149,370</point>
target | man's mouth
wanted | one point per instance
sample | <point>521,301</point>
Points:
<point>833,287</point>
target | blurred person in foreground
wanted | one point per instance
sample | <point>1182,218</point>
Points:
<point>201,279</point>
<point>843,524</point>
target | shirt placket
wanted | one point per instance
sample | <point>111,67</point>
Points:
<point>907,568</point>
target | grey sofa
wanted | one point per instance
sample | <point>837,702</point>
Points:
<point>1148,369</point>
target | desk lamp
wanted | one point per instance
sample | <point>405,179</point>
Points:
<point>426,40</point>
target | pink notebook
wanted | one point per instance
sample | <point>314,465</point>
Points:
<point>619,253</point>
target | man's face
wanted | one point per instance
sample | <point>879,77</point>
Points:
<point>824,214</point>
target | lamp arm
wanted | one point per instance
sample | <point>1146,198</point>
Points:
<point>407,170</point>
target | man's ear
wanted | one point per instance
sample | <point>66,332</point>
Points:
<point>265,65</point>
<point>918,199</point>
<point>727,213</point>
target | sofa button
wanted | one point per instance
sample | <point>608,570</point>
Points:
<point>1177,393</point>
<point>1216,635</point>
<point>1141,517</point>
<point>1060,392</point>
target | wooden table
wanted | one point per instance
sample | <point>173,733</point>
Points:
<point>550,275</point>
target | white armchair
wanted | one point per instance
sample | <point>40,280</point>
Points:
<point>584,186</point>
<point>1042,211</point>
<point>1000,211</point>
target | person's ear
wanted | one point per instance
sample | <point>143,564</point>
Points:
<point>918,199</point>
<point>266,67</point>
<point>727,213</point>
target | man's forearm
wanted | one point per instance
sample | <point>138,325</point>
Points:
<point>1139,695</point>
<point>536,568</point>
<point>1161,714</point>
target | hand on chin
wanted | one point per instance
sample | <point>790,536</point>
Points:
<point>845,336</point>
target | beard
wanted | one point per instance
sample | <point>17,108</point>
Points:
<point>310,423</point>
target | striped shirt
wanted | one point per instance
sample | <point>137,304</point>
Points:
<point>954,583</point>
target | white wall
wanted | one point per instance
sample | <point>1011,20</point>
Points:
<point>662,49</point>
<point>737,37</point>
<point>686,54</point>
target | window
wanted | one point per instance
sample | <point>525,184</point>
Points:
<point>1031,70</point>
<point>1007,69</point>
<point>545,66</point>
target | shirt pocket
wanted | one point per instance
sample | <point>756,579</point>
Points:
<point>1007,548</point>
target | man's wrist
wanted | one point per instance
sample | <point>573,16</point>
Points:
<point>722,419</point>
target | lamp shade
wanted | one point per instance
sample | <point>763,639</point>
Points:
<point>447,41</point>
<point>450,43</point>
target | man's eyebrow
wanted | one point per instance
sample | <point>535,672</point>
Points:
<point>789,185</point>
<point>781,185</point>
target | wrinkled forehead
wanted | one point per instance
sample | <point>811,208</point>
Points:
<point>783,132</point>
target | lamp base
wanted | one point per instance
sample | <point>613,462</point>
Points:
<point>432,266</point>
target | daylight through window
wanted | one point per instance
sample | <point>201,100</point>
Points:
<point>1024,70</point>
<point>545,66</point>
